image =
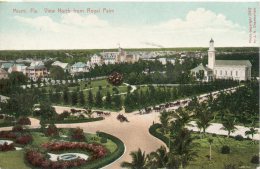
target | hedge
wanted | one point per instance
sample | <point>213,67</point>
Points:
<point>111,157</point>
<point>83,120</point>
<point>153,131</point>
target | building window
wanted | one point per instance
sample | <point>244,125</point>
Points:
<point>216,72</point>
<point>226,72</point>
<point>220,72</point>
<point>231,72</point>
<point>236,73</point>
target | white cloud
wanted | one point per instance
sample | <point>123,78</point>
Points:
<point>78,20</point>
<point>76,31</point>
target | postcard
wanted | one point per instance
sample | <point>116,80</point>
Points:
<point>129,84</point>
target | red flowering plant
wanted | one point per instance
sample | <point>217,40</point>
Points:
<point>7,147</point>
<point>24,121</point>
<point>24,139</point>
<point>77,134</point>
<point>52,130</point>
<point>115,79</point>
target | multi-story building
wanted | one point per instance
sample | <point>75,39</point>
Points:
<point>36,72</point>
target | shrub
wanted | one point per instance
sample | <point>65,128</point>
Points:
<point>255,159</point>
<point>63,115</point>
<point>25,139</point>
<point>17,128</point>
<point>1,116</point>
<point>77,134</point>
<point>230,166</point>
<point>103,140</point>
<point>24,121</point>
<point>225,149</point>
<point>7,147</point>
<point>52,130</point>
<point>239,138</point>
<point>214,135</point>
<point>7,134</point>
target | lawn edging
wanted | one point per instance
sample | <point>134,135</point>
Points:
<point>111,157</point>
<point>153,132</point>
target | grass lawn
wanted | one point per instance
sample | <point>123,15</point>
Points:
<point>12,160</point>
<point>240,155</point>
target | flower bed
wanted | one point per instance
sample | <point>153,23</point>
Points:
<point>41,160</point>
<point>98,150</point>
<point>17,137</point>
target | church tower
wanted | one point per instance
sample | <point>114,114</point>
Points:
<point>211,54</point>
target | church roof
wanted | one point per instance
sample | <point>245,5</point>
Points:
<point>233,63</point>
<point>201,67</point>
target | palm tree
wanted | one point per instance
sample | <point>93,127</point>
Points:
<point>183,146</point>
<point>159,158</point>
<point>210,140</point>
<point>203,116</point>
<point>229,125</point>
<point>164,119</point>
<point>182,116</point>
<point>252,131</point>
<point>163,159</point>
<point>139,160</point>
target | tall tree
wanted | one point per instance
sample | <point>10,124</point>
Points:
<point>229,125</point>
<point>90,98</point>
<point>98,99</point>
<point>82,100</point>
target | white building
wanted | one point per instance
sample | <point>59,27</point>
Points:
<point>79,67</point>
<point>225,69</point>
<point>18,68</point>
<point>96,60</point>
<point>64,66</point>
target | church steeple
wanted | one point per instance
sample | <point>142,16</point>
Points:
<point>211,54</point>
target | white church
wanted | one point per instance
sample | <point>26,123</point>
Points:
<point>223,69</point>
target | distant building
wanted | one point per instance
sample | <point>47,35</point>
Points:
<point>79,67</point>
<point>3,74</point>
<point>6,66</point>
<point>37,63</point>
<point>36,72</point>
<point>18,68</point>
<point>226,69</point>
<point>64,66</point>
<point>202,73</point>
<point>96,60</point>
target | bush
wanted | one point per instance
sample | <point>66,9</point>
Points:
<point>25,139</point>
<point>255,159</point>
<point>239,138</point>
<point>1,116</point>
<point>103,140</point>
<point>7,147</point>
<point>225,149</point>
<point>52,130</point>
<point>77,134</point>
<point>24,121</point>
<point>17,128</point>
<point>214,135</point>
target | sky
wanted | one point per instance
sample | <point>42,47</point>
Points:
<point>128,24</point>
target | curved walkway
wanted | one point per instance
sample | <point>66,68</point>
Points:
<point>134,133</point>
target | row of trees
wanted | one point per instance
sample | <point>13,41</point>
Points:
<point>156,95</point>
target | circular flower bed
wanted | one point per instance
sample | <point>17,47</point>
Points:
<point>115,79</point>
<point>38,159</point>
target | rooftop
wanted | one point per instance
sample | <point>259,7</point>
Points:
<point>233,63</point>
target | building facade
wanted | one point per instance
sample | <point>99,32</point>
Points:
<point>224,69</point>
